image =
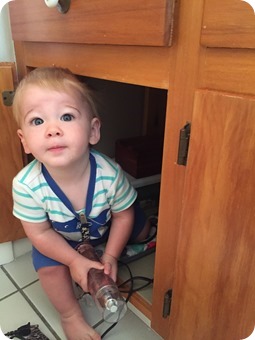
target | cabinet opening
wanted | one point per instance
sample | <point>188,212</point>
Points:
<point>133,118</point>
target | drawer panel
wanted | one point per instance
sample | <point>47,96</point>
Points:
<point>228,23</point>
<point>118,22</point>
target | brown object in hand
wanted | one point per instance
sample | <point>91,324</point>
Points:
<point>102,287</point>
<point>96,277</point>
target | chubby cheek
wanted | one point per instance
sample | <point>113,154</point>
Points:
<point>27,148</point>
<point>78,137</point>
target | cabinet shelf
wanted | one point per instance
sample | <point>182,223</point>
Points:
<point>144,181</point>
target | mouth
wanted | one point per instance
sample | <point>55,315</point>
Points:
<point>56,148</point>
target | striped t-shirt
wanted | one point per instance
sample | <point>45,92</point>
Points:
<point>36,200</point>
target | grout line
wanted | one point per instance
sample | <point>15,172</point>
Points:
<point>14,282</point>
<point>20,290</point>
<point>9,295</point>
<point>40,315</point>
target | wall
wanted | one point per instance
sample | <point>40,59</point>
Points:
<point>7,50</point>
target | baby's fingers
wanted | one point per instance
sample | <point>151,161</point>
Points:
<point>96,264</point>
<point>107,268</point>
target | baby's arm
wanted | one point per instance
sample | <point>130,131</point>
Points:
<point>51,244</point>
<point>120,231</point>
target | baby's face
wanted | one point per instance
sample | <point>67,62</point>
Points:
<point>56,127</point>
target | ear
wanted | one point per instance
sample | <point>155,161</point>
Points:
<point>23,141</point>
<point>95,131</point>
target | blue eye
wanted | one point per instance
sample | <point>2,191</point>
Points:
<point>67,117</point>
<point>37,121</point>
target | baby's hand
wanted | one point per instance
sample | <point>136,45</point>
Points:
<point>79,269</point>
<point>110,265</point>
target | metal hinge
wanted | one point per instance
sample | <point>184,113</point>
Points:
<point>167,303</point>
<point>8,97</point>
<point>184,144</point>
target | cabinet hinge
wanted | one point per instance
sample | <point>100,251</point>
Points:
<point>167,303</point>
<point>184,144</point>
<point>8,97</point>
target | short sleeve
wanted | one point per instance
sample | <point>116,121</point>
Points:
<point>121,194</point>
<point>26,206</point>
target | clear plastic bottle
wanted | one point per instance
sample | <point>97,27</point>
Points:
<point>102,288</point>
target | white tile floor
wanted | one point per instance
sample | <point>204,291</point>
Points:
<point>22,300</point>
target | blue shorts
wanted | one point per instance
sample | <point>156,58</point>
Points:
<point>40,260</point>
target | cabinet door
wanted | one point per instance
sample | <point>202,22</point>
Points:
<point>11,160</point>
<point>228,23</point>
<point>214,286</point>
<point>125,22</point>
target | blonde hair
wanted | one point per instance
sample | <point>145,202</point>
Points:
<point>57,79</point>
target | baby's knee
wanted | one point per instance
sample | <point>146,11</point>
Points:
<point>51,271</point>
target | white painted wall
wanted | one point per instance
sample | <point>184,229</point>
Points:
<point>6,44</point>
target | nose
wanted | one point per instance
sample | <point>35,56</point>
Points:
<point>54,131</point>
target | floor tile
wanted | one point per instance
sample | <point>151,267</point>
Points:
<point>129,327</point>
<point>142,267</point>
<point>90,311</point>
<point>36,294</point>
<point>40,300</point>
<point>15,312</point>
<point>121,332</point>
<point>22,270</point>
<point>6,287</point>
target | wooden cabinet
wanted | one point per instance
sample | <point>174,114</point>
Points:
<point>228,23</point>
<point>128,22</point>
<point>11,156</point>
<point>214,293</point>
<point>205,242</point>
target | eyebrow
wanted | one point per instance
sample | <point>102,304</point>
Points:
<point>68,106</point>
<point>72,107</point>
<point>26,114</point>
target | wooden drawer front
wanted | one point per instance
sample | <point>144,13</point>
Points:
<point>228,23</point>
<point>121,22</point>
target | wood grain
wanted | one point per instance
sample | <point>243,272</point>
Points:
<point>95,22</point>
<point>229,70</point>
<point>11,160</point>
<point>184,66</point>
<point>228,23</point>
<point>214,295</point>
<point>148,66</point>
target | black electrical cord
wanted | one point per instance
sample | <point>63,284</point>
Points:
<point>141,278</point>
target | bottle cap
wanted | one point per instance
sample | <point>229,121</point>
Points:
<point>112,305</point>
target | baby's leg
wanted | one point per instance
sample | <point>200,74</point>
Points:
<point>56,282</point>
<point>148,232</point>
<point>144,232</point>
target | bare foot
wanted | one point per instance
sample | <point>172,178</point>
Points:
<point>76,328</point>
